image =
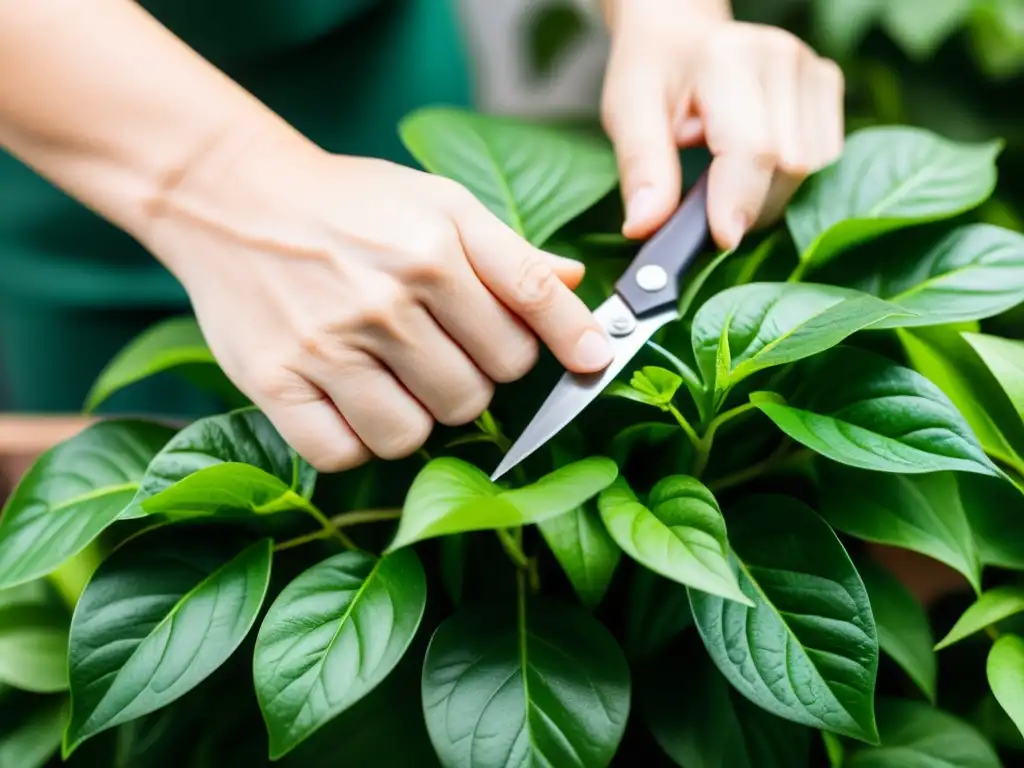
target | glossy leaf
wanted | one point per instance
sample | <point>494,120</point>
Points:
<point>650,385</point>
<point>534,178</point>
<point>946,359</point>
<point>915,735</point>
<point>861,409</point>
<point>922,513</point>
<point>990,608</point>
<point>30,730</point>
<point>453,496</point>
<point>34,647</point>
<point>808,650</point>
<point>659,611</point>
<point>552,689</point>
<point>970,273</point>
<point>583,548</point>
<point>700,722</point>
<point>994,510</point>
<point>680,533</point>
<point>157,618</point>
<point>72,493</point>
<point>888,177</point>
<point>331,637</point>
<point>174,345</point>
<point>769,324</point>
<point>902,624</point>
<point>235,463</point>
<point>1005,669</point>
<point>1005,358</point>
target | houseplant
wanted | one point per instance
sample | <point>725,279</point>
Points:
<point>678,579</point>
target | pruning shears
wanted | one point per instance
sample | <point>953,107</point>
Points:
<point>646,298</point>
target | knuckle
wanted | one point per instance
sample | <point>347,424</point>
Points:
<point>381,306</point>
<point>336,460</point>
<point>470,406</point>
<point>275,383</point>
<point>514,365</point>
<point>406,438</point>
<point>833,74</point>
<point>783,43</point>
<point>536,286</point>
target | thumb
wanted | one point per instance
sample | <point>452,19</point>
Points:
<point>637,117</point>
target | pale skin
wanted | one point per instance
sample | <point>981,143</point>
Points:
<point>354,335</point>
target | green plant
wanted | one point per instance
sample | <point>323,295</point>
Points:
<point>680,578</point>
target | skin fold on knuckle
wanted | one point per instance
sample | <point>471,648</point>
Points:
<point>467,407</point>
<point>517,358</point>
<point>401,440</point>
<point>536,287</point>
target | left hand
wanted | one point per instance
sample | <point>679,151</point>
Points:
<point>682,73</point>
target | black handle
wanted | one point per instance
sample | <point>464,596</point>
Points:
<point>652,281</point>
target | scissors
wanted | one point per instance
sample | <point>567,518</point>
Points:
<point>646,298</point>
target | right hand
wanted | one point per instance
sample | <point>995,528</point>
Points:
<point>355,301</point>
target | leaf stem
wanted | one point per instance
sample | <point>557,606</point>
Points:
<point>513,548</point>
<point>360,516</point>
<point>298,541</point>
<point>757,258</point>
<point>798,272</point>
<point>690,431</point>
<point>778,459</point>
<point>328,527</point>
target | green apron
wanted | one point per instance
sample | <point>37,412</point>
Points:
<point>74,289</point>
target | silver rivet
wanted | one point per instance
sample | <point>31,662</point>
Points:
<point>622,325</point>
<point>651,278</point>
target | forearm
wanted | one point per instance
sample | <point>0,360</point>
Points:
<point>107,104</point>
<point>717,9</point>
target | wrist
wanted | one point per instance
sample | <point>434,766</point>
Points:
<point>700,10</point>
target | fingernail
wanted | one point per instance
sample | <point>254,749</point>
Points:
<point>641,206</point>
<point>593,351</point>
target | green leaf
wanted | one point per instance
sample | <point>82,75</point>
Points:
<point>72,493</point>
<point>174,345</point>
<point>768,324</point>
<point>921,26</point>
<point>1005,358</point>
<point>914,735</point>
<point>861,409</point>
<point>701,723</point>
<point>1005,669</point>
<point>33,647</point>
<point>331,637</point>
<point>841,25</point>
<point>990,608</point>
<point>808,650</point>
<point>498,160</point>
<point>903,629</point>
<point>650,385</point>
<point>452,496</point>
<point>945,358</point>
<point>583,548</point>
<point>970,273</point>
<point>888,177</point>
<point>659,610</point>
<point>994,510</point>
<point>30,730</point>
<point>157,618</point>
<point>680,533</point>
<point>234,463</point>
<point>549,689</point>
<point>921,513</point>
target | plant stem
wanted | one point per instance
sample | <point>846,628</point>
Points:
<point>690,431</point>
<point>329,528</point>
<point>798,273</point>
<point>779,458</point>
<point>686,372</point>
<point>360,516</point>
<point>758,257</point>
<point>298,541</point>
<point>513,548</point>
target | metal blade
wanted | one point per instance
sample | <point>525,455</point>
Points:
<point>574,392</point>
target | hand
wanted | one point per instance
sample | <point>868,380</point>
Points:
<point>356,301</point>
<point>769,109</point>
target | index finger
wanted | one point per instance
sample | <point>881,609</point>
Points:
<point>523,278</point>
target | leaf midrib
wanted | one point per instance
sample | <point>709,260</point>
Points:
<point>505,189</point>
<point>342,622</point>
<point>98,493</point>
<point>799,643</point>
<point>163,622</point>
